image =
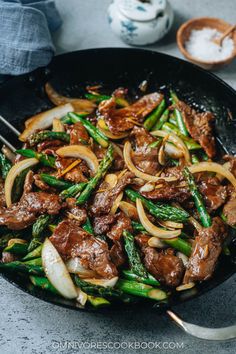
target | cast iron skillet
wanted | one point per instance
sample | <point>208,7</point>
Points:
<point>24,96</point>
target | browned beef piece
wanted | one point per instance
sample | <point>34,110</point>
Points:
<point>199,126</point>
<point>2,194</point>
<point>117,254</point>
<point>167,191</point>
<point>102,224</point>
<point>122,223</point>
<point>25,212</point>
<point>78,212</point>
<point>144,157</point>
<point>213,192</point>
<point>174,172</point>
<point>72,241</point>
<point>47,145</point>
<point>163,265</point>
<point>229,210</point>
<point>78,134</point>
<point>206,250</point>
<point>41,184</point>
<point>116,119</point>
<point>77,174</point>
<point>105,197</point>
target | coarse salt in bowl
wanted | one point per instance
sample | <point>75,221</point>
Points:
<point>195,39</point>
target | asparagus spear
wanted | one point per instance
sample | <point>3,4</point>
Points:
<point>67,120</point>
<point>162,120</point>
<point>94,132</point>
<point>150,280</point>
<point>97,301</point>
<point>189,142</point>
<point>198,200</point>
<point>43,283</point>
<point>159,210</point>
<point>102,170</point>
<point>97,290</point>
<point>88,226</point>
<point>140,289</point>
<point>178,115</point>
<point>36,138</point>
<point>17,248</point>
<point>154,116</point>
<point>134,258</point>
<point>33,254</point>
<point>73,190</point>
<point>194,159</point>
<point>5,165</point>
<point>46,160</point>
<point>177,243</point>
<point>21,267</point>
<point>55,182</point>
<point>5,238</point>
<point>35,262</point>
<point>19,185</point>
<point>38,228</point>
<point>97,98</point>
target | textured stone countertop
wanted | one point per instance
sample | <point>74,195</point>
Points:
<point>31,326</point>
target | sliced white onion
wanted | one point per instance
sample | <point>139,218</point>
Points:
<point>81,152</point>
<point>132,168</point>
<point>148,187</point>
<point>9,154</point>
<point>56,271</point>
<point>213,167</point>
<point>13,173</point>
<point>173,138</point>
<point>156,242</point>
<point>171,224</point>
<point>129,210</point>
<point>151,228</point>
<point>110,135</point>
<point>74,266</point>
<point>44,120</point>
<point>185,286</point>
<point>111,179</point>
<point>118,150</point>
<point>183,257</point>
<point>162,156</point>
<point>116,203</point>
<point>103,282</point>
<point>82,297</point>
<point>226,165</point>
<point>57,125</point>
<point>173,151</point>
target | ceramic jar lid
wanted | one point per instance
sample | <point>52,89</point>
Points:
<point>138,10</point>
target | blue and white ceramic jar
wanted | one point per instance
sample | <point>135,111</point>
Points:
<point>140,22</point>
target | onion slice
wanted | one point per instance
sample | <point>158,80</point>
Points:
<point>156,242</point>
<point>13,173</point>
<point>110,135</point>
<point>213,167</point>
<point>171,224</point>
<point>81,152</point>
<point>57,272</point>
<point>173,138</point>
<point>151,228</point>
<point>79,104</point>
<point>140,174</point>
<point>82,297</point>
<point>129,209</point>
<point>57,125</point>
<point>103,282</point>
<point>74,266</point>
<point>44,120</point>
<point>116,203</point>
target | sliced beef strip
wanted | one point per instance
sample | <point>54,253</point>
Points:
<point>117,254</point>
<point>72,241</point>
<point>207,247</point>
<point>214,194</point>
<point>77,174</point>
<point>78,134</point>
<point>144,157</point>
<point>24,213</point>
<point>199,126</point>
<point>2,194</point>
<point>229,210</point>
<point>104,200</point>
<point>76,211</point>
<point>47,145</point>
<point>166,191</point>
<point>122,223</point>
<point>116,119</point>
<point>163,265</point>
<point>102,224</point>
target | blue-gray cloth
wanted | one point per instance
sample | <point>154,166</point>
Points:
<point>25,38</point>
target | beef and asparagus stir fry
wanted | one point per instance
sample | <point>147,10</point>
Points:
<point>116,199</point>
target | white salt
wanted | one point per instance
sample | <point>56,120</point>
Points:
<point>201,46</point>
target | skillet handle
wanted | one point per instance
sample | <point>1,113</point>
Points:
<point>223,333</point>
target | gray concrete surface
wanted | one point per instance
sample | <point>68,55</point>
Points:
<point>30,326</point>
